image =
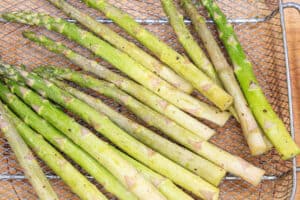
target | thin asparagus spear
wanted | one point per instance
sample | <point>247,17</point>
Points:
<point>166,54</point>
<point>65,145</point>
<point>100,150</point>
<point>190,45</point>
<point>268,120</point>
<point>71,176</point>
<point>103,125</point>
<point>230,163</point>
<point>185,158</point>
<point>26,158</point>
<point>134,89</point>
<point>251,130</point>
<point>126,64</point>
<point>124,45</point>
<point>165,186</point>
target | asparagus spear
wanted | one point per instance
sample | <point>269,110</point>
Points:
<point>65,145</point>
<point>165,186</point>
<point>166,54</point>
<point>71,176</point>
<point>134,89</point>
<point>251,130</point>
<point>268,120</point>
<point>124,45</point>
<point>185,158</point>
<point>126,64</point>
<point>26,158</point>
<point>229,162</point>
<point>100,150</point>
<point>103,125</point>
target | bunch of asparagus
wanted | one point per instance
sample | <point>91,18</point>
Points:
<point>145,165</point>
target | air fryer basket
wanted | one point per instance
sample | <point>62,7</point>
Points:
<point>260,27</point>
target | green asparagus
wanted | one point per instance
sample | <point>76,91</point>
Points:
<point>268,120</point>
<point>124,45</point>
<point>249,125</point>
<point>83,137</point>
<point>185,158</point>
<point>132,88</point>
<point>26,158</point>
<point>166,54</point>
<point>71,176</point>
<point>65,145</point>
<point>103,125</point>
<point>127,65</point>
<point>230,163</point>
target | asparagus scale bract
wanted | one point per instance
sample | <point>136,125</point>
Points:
<point>254,136</point>
<point>166,54</point>
<point>268,120</point>
<point>229,162</point>
<point>124,45</point>
<point>185,158</point>
<point>25,157</point>
<point>65,145</point>
<point>103,125</point>
<point>132,88</point>
<point>125,63</point>
<point>100,150</point>
<point>70,175</point>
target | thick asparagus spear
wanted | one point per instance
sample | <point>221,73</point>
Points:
<point>268,120</point>
<point>185,158</point>
<point>165,186</point>
<point>251,130</point>
<point>103,125</point>
<point>134,89</point>
<point>124,45</point>
<point>65,145</point>
<point>126,64</point>
<point>230,163</point>
<point>166,54</point>
<point>71,176</point>
<point>100,150</point>
<point>26,158</point>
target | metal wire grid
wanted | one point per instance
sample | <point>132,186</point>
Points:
<point>262,40</point>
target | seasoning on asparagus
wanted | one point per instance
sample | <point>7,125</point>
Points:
<point>180,155</point>
<point>230,163</point>
<point>124,63</point>
<point>65,145</point>
<point>132,88</point>
<point>124,45</point>
<point>268,120</point>
<point>251,130</point>
<point>70,175</point>
<point>83,137</point>
<point>103,125</point>
<point>25,157</point>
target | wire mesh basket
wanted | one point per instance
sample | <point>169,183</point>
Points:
<point>260,27</point>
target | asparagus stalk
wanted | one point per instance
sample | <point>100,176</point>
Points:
<point>127,65</point>
<point>205,169</point>
<point>166,54</point>
<point>103,125</point>
<point>71,176</point>
<point>124,45</point>
<point>100,150</point>
<point>165,186</point>
<point>26,158</point>
<point>132,88</point>
<point>229,162</point>
<point>254,136</point>
<point>65,145</point>
<point>268,120</point>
